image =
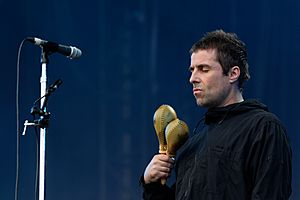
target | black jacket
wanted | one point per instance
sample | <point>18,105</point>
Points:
<point>241,152</point>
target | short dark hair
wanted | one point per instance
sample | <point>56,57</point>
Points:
<point>230,52</point>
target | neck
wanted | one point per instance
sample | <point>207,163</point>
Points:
<point>235,96</point>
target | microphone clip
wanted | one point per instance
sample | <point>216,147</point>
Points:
<point>42,122</point>
<point>44,116</point>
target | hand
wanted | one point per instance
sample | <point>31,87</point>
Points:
<point>159,167</point>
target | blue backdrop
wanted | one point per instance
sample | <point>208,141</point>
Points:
<point>135,58</point>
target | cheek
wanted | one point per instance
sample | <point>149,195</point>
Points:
<point>217,85</point>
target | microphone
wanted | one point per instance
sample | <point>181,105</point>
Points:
<point>69,51</point>
<point>54,86</point>
<point>50,90</point>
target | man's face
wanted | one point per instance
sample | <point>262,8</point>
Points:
<point>211,87</point>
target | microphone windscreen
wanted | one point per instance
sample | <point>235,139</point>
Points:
<point>176,134</point>
<point>162,116</point>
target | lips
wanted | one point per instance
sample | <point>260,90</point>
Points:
<point>197,90</point>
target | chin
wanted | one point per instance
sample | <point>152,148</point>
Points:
<point>200,103</point>
<point>205,104</point>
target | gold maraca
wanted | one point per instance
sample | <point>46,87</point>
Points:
<point>162,116</point>
<point>176,133</point>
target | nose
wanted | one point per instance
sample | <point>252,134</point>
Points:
<point>193,78</point>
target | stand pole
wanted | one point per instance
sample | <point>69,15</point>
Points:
<point>42,152</point>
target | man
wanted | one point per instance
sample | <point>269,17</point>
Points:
<point>240,151</point>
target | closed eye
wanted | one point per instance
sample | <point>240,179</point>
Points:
<point>204,68</point>
<point>201,68</point>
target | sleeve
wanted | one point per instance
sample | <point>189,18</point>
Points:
<point>269,164</point>
<point>156,191</point>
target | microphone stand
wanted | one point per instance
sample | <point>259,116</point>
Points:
<point>43,121</point>
<point>44,115</point>
<point>43,131</point>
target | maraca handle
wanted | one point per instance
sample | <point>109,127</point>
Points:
<point>164,180</point>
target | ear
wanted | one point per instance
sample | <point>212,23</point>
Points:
<point>234,74</point>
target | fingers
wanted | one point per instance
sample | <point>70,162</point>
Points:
<point>162,162</point>
<point>165,158</point>
<point>159,167</point>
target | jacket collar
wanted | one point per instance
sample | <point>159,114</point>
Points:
<point>219,114</point>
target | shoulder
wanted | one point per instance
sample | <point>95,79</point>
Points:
<point>266,118</point>
<point>263,125</point>
<point>268,127</point>
<point>259,112</point>
<point>262,117</point>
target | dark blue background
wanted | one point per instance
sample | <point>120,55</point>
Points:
<point>135,58</point>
